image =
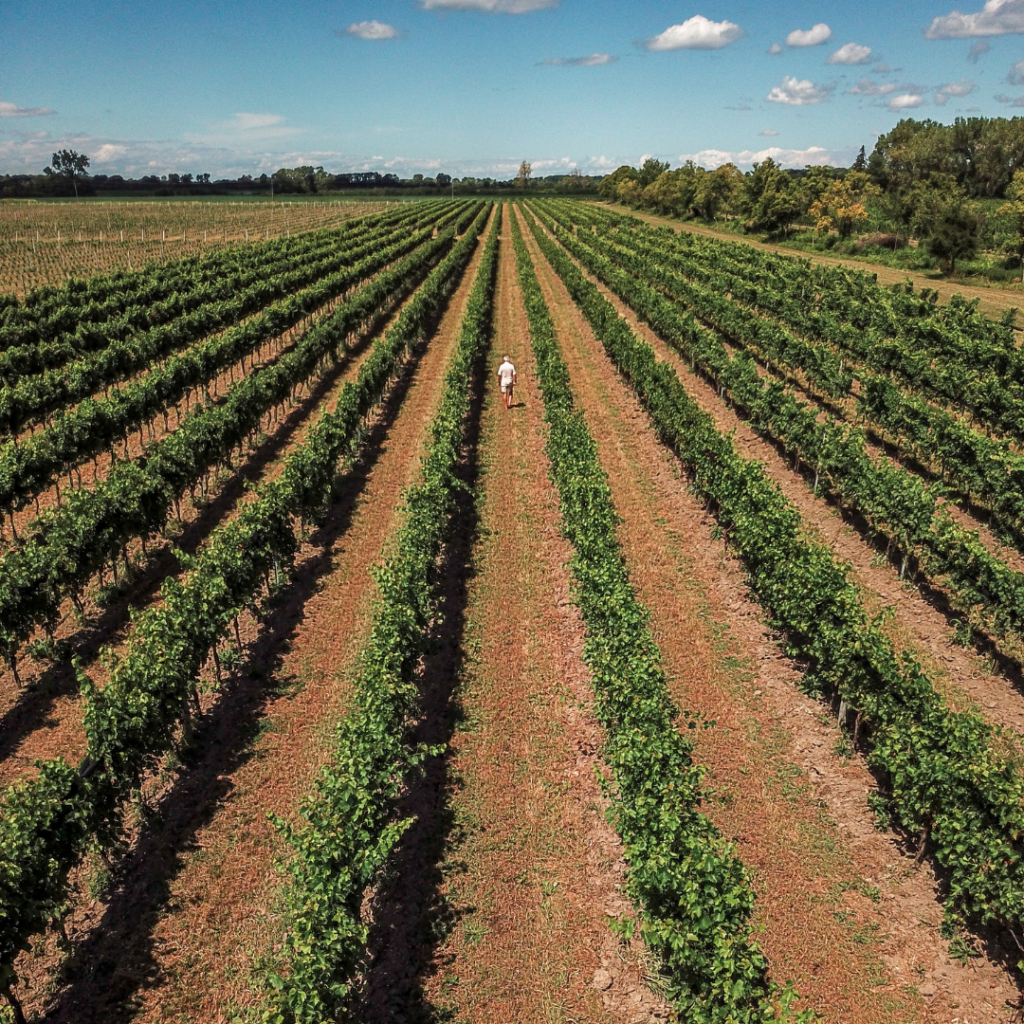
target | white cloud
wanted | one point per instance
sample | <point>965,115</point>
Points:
<point>794,93</point>
<point>493,6</point>
<point>109,152</point>
<point>996,18</point>
<point>953,90</point>
<point>865,87</point>
<point>815,36</point>
<point>373,30</point>
<point>30,152</point>
<point>1016,75</point>
<point>1012,101</point>
<point>255,122</point>
<point>593,61</point>
<point>905,101</point>
<point>775,49</point>
<point>244,129</point>
<point>769,133</point>
<point>8,109</point>
<point>978,50</point>
<point>815,155</point>
<point>851,53</point>
<point>698,33</point>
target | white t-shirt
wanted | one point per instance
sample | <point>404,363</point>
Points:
<point>505,373</point>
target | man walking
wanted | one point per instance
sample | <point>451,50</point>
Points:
<point>507,380</point>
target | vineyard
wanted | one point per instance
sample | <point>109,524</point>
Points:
<point>43,244</point>
<point>690,687</point>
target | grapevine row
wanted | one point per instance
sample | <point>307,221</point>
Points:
<point>94,425</point>
<point>951,353</point>
<point>72,543</point>
<point>987,471</point>
<point>349,821</point>
<point>852,307</point>
<point>37,356</point>
<point>35,398</point>
<point>692,891</point>
<point>50,312</point>
<point>893,501</point>
<point>947,781</point>
<point>47,822</point>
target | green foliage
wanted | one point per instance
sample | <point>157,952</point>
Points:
<point>947,780</point>
<point>692,892</point>
<point>946,221</point>
<point>771,201</point>
<point>349,822</point>
<point>71,543</point>
<point>45,823</point>
<point>978,153</point>
<point>893,501</point>
<point>96,424</point>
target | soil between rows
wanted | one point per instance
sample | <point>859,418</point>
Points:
<point>44,719</point>
<point>845,914</point>
<point>531,869</point>
<point>966,677</point>
<point>194,916</point>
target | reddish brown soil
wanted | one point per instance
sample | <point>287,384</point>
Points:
<point>532,869</point>
<point>845,914</point>
<point>184,938</point>
<point>992,300</point>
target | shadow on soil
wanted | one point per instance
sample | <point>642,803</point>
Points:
<point>410,914</point>
<point>106,970</point>
<point>36,700</point>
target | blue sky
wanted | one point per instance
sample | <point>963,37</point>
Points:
<point>475,86</point>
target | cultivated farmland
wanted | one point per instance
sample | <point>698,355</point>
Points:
<point>687,688</point>
<point>45,243</point>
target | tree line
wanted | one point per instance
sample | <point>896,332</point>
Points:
<point>68,175</point>
<point>951,188</point>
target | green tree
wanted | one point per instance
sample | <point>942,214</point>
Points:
<point>841,206</point>
<point>652,170</point>
<point>717,190</point>
<point>71,165</point>
<point>946,220</point>
<point>770,200</point>
<point>609,186</point>
<point>1013,210</point>
<point>523,177</point>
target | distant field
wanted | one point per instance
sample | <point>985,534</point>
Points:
<point>46,243</point>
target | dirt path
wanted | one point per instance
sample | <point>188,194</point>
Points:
<point>992,300</point>
<point>197,912</point>
<point>531,868</point>
<point>845,914</point>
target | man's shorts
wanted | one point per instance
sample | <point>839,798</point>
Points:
<point>505,388</point>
